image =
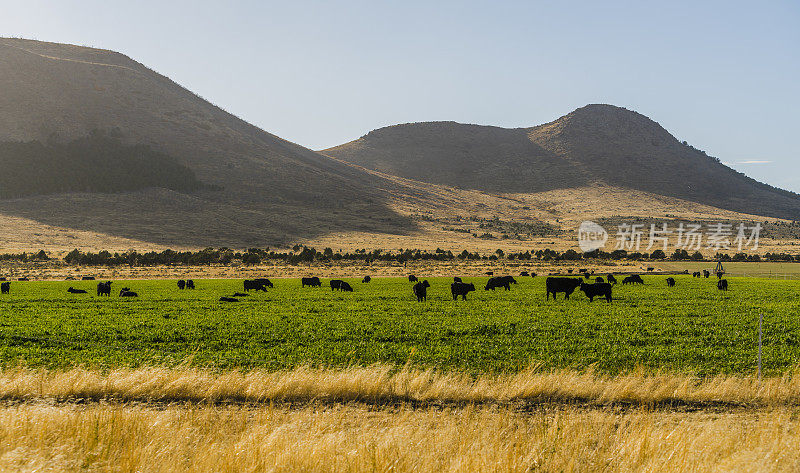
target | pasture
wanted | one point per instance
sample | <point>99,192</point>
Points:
<point>691,328</point>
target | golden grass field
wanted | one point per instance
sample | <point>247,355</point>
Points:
<point>362,419</point>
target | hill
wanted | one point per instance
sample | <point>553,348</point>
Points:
<point>203,176</point>
<point>596,144</point>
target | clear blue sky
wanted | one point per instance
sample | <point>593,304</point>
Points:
<point>723,75</point>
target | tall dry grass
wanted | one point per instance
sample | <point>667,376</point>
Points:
<point>382,384</point>
<point>348,439</point>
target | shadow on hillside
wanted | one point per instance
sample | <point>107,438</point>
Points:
<point>167,218</point>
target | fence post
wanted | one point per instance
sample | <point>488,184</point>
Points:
<point>760,323</point>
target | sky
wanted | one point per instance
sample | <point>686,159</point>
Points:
<point>722,75</point>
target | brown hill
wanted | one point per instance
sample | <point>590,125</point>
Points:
<point>257,189</point>
<point>596,144</point>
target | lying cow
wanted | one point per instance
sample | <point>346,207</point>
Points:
<point>461,289</point>
<point>421,290</point>
<point>599,289</point>
<point>72,290</point>
<point>126,292</point>
<point>565,285</point>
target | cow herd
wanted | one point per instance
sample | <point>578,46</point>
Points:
<point>554,285</point>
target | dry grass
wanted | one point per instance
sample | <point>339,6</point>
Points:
<point>382,384</point>
<point>35,437</point>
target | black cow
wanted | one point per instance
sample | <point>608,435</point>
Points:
<point>345,287</point>
<point>461,289</point>
<point>181,284</point>
<point>565,285</point>
<point>599,279</point>
<point>600,289</point>
<point>611,278</point>
<point>72,290</point>
<point>263,281</point>
<point>651,269</point>
<point>104,288</point>
<point>189,284</point>
<point>254,285</point>
<point>313,282</point>
<point>412,278</point>
<point>228,299</point>
<point>587,276</point>
<point>457,279</point>
<point>87,278</point>
<point>126,292</point>
<point>523,273</point>
<point>500,281</point>
<point>696,274</point>
<point>421,290</point>
<point>366,279</point>
<point>4,279</point>
<point>533,275</point>
<point>706,273</point>
<point>670,282</point>
<point>5,287</point>
<point>634,279</point>
<point>722,284</point>
<point>719,274</point>
<point>23,279</point>
<point>583,270</point>
<point>336,284</point>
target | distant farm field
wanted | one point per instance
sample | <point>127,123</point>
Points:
<point>691,328</point>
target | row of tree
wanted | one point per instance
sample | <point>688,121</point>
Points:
<point>305,254</point>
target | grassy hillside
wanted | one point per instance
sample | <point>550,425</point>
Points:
<point>594,144</point>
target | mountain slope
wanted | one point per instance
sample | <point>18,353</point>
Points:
<point>268,189</point>
<point>596,143</point>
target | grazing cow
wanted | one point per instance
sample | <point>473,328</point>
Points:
<point>5,287</point>
<point>461,289</point>
<point>263,281</point>
<point>651,269</point>
<point>253,285</point>
<point>722,284</point>
<point>599,279</point>
<point>104,288</point>
<point>189,284</point>
<point>421,290</point>
<point>706,273</point>
<point>523,273</point>
<point>23,279</point>
<point>457,279</point>
<point>565,285</point>
<point>696,274</point>
<point>600,289</point>
<point>313,282</point>
<point>500,281</point>
<point>366,279</point>
<point>346,287</point>
<point>489,273</point>
<point>336,284</point>
<point>228,299</point>
<point>87,278</point>
<point>412,278</point>
<point>634,279</point>
<point>670,282</point>
<point>181,284</point>
<point>611,278</point>
<point>72,290</point>
<point>240,294</point>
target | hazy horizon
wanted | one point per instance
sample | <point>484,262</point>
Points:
<point>722,75</point>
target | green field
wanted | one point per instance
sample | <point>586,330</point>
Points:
<point>692,327</point>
